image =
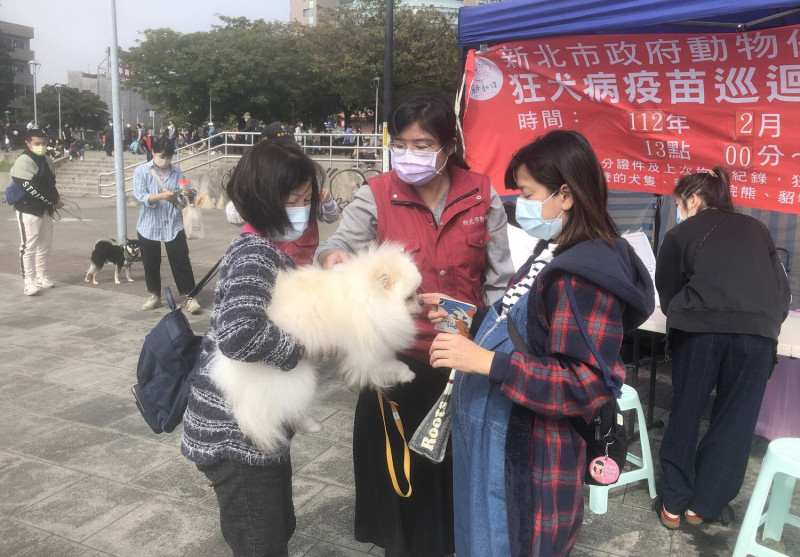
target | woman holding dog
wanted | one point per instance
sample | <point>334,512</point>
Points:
<point>510,407</point>
<point>453,223</point>
<point>274,188</point>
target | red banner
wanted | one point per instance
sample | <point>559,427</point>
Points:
<point>653,107</point>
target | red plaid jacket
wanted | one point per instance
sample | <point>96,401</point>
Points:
<point>560,378</point>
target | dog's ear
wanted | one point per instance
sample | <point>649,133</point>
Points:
<point>385,280</point>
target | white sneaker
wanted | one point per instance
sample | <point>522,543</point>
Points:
<point>70,159</point>
<point>30,288</point>
<point>81,158</point>
<point>152,302</point>
<point>44,282</point>
<point>192,305</point>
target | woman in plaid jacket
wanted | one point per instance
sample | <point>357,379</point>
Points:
<point>512,409</point>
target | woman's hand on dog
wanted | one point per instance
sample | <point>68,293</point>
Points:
<point>329,258</point>
<point>431,308</point>
<point>458,352</point>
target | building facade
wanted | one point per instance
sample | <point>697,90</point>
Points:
<point>17,40</point>
<point>306,11</point>
<point>134,108</point>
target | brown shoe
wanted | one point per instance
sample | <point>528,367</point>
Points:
<point>693,518</point>
<point>669,520</point>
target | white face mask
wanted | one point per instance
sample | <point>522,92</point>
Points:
<point>529,216</point>
<point>161,162</point>
<point>678,216</point>
<point>417,168</point>
<point>299,217</point>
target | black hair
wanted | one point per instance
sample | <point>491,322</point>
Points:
<point>565,157</point>
<point>713,188</point>
<point>434,114</point>
<point>35,132</point>
<point>163,146</point>
<point>263,180</point>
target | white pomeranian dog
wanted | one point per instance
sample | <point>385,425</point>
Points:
<point>360,314</point>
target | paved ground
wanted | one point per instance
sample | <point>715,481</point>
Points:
<point>82,475</point>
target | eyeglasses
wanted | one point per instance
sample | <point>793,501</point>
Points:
<point>398,148</point>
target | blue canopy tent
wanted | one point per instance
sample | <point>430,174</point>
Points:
<point>515,20</point>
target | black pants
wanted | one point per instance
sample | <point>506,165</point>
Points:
<point>256,512</point>
<point>704,478</point>
<point>178,255</point>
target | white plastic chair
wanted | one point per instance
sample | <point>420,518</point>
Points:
<point>779,469</point>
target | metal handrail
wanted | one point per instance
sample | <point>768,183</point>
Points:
<point>325,154</point>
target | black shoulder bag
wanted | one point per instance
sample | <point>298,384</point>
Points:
<point>605,435</point>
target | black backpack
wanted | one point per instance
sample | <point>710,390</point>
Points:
<point>167,362</point>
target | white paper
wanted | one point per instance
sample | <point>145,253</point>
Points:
<point>641,245</point>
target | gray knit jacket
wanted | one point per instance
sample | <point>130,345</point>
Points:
<point>241,331</point>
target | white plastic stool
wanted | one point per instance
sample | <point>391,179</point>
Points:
<point>780,469</point>
<point>598,494</point>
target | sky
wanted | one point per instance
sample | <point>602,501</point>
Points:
<point>73,34</point>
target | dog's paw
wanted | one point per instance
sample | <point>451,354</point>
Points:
<point>86,279</point>
<point>398,372</point>
<point>130,280</point>
<point>117,282</point>
<point>307,424</point>
<point>95,282</point>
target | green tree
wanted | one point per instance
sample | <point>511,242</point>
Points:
<point>6,78</point>
<point>292,72</point>
<point>82,109</point>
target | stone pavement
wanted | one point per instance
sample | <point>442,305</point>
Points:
<point>81,474</point>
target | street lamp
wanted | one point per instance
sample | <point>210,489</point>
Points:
<point>34,65</point>
<point>58,89</point>
<point>377,81</point>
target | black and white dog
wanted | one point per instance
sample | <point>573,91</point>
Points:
<point>121,256</point>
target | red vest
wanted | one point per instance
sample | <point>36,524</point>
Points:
<point>450,254</point>
<point>302,250</point>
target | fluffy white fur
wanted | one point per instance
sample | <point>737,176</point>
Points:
<point>360,313</point>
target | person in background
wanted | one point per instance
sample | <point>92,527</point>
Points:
<point>108,133</point>
<point>453,224</point>
<point>35,175</point>
<point>66,134</point>
<point>76,149</point>
<point>162,191</point>
<point>510,407</point>
<point>725,295</point>
<point>172,133</point>
<point>274,188</point>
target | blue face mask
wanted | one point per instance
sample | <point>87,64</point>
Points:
<point>299,217</point>
<point>678,216</point>
<point>529,216</point>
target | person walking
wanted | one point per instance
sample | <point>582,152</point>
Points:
<point>725,295</point>
<point>35,175</point>
<point>162,191</point>
<point>453,224</point>
<point>272,187</point>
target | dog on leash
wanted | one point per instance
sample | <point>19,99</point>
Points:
<point>360,314</point>
<point>121,256</point>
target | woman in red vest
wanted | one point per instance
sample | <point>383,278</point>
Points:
<point>453,223</point>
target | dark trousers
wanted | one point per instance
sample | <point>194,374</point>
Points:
<point>178,255</point>
<point>706,477</point>
<point>256,513</point>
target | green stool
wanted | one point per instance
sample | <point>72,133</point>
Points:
<point>780,469</point>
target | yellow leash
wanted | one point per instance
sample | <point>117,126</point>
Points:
<point>406,454</point>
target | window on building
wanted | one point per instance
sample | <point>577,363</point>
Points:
<point>18,68</point>
<point>311,20</point>
<point>310,3</point>
<point>308,12</point>
<point>18,43</point>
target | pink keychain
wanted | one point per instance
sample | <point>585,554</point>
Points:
<point>603,469</point>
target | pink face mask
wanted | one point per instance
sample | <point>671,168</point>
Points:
<point>417,168</point>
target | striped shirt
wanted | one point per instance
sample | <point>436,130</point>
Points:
<point>241,330</point>
<point>160,221</point>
